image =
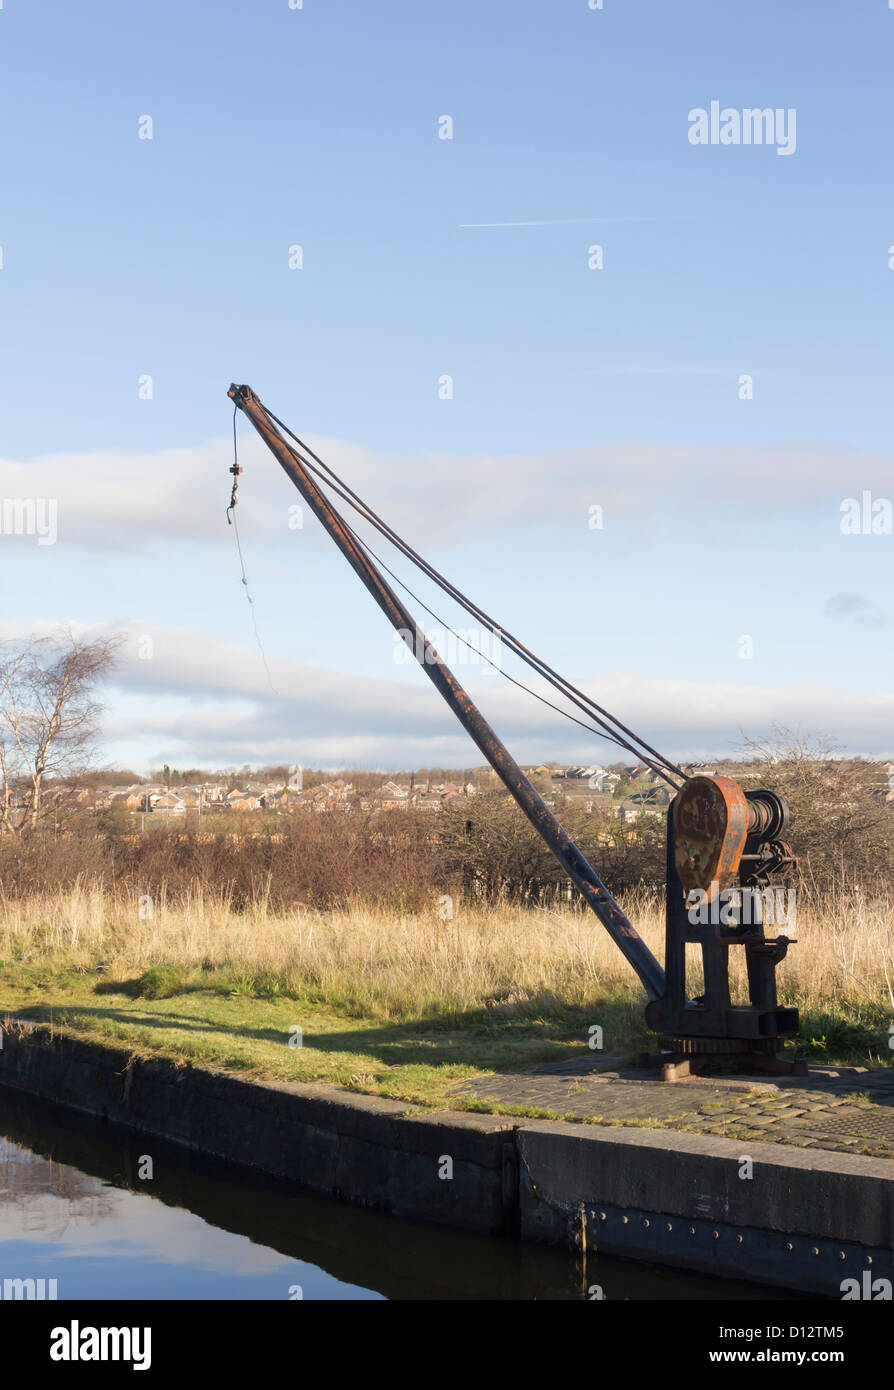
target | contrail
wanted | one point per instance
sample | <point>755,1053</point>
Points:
<point>561,222</point>
<point>668,371</point>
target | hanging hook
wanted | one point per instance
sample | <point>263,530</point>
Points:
<point>235,469</point>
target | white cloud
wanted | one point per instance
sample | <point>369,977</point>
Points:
<point>201,700</point>
<point>132,501</point>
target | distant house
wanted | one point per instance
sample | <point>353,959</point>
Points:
<point>321,798</point>
<point>243,802</point>
<point>214,792</point>
<point>602,781</point>
<point>169,803</point>
<point>653,802</point>
<point>885,788</point>
<point>129,798</point>
<point>656,796</point>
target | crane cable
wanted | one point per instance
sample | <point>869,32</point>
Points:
<point>231,520</point>
<point>651,757</point>
<point>571,692</point>
<point>521,685</point>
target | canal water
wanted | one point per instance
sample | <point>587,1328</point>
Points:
<point>77,1206</point>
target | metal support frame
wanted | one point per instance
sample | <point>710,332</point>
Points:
<point>696,1033</point>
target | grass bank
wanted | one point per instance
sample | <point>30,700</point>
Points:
<point>401,1006</point>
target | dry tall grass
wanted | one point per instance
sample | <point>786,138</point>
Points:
<point>363,959</point>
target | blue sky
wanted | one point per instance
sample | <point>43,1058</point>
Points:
<point>572,387</point>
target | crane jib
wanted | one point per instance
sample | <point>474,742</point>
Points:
<point>573,861</point>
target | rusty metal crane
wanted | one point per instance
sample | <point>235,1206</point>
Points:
<point>723,843</point>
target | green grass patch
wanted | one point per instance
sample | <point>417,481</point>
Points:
<point>849,1032</point>
<point>230,1024</point>
<point>250,1023</point>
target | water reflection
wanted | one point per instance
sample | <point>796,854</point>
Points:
<point>39,1195</point>
<point>73,1207</point>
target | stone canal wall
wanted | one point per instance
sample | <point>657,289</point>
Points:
<point>803,1219</point>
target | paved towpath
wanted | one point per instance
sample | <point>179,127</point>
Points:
<point>850,1109</point>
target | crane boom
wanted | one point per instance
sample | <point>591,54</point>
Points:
<point>572,860</point>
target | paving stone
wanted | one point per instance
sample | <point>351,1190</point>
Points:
<point>797,1111</point>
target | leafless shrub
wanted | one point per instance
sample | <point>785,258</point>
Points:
<point>48,723</point>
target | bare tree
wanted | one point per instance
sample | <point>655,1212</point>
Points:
<point>841,830</point>
<point>49,714</point>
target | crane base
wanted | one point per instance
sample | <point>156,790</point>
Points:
<point>682,1058</point>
